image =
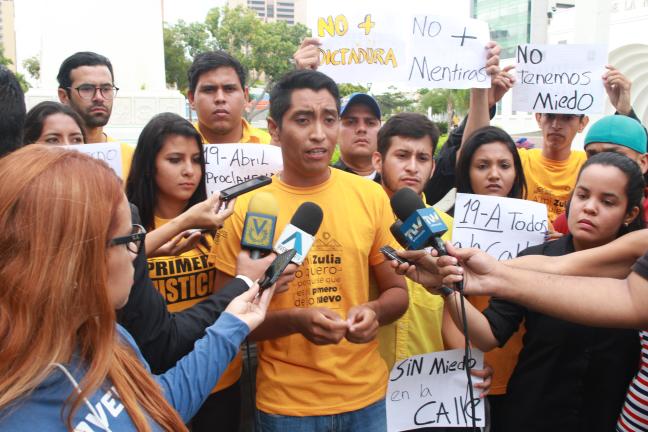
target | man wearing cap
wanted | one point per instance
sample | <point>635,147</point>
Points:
<point>360,115</point>
<point>615,133</point>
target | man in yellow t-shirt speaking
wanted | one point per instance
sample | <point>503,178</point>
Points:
<point>319,366</point>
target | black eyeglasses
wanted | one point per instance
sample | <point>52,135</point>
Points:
<point>87,91</point>
<point>133,242</point>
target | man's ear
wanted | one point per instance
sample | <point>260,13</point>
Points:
<point>433,168</point>
<point>583,123</point>
<point>273,129</point>
<point>190,97</point>
<point>642,160</point>
<point>376,161</point>
<point>63,96</point>
<point>246,94</point>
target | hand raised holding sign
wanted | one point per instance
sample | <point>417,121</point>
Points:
<point>308,54</point>
<point>493,59</point>
<point>618,88</point>
<point>500,84</point>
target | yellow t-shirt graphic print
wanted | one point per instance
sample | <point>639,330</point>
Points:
<point>296,377</point>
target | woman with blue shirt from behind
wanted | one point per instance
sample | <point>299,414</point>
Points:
<point>68,246</point>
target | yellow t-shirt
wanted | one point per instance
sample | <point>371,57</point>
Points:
<point>185,280</point>
<point>127,152</point>
<point>296,377</point>
<point>548,181</point>
<point>251,134</point>
<point>418,331</point>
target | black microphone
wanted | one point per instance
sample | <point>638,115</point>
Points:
<point>299,234</point>
<point>395,230</point>
<point>422,226</point>
<point>260,223</point>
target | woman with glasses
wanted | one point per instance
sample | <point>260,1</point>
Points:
<point>53,123</point>
<point>167,184</point>
<point>64,363</point>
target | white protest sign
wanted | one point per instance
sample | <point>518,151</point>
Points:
<point>107,152</point>
<point>431,390</point>
<point>501,227</point>
<point>230,164</point>
<point>560,79</point>
<point>366,41</point>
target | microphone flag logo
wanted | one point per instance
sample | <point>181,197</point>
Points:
<point>258,230</point>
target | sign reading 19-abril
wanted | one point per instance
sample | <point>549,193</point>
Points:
<point>365,41</point>
<point>564,79</point>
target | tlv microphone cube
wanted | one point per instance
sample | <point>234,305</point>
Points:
<point>258,231</point>
<point>422,225</point>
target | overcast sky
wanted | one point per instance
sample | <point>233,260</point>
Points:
<point>188,10</point>
<point>29,22</point>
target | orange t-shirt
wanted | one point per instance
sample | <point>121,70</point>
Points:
<point>296,377</point>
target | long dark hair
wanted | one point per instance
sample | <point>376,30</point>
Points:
<point>482,136</point>
<point>634,188</point>
<point>141,189</point>
<point>37,115</point>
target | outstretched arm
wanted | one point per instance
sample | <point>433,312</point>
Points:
<point>589,301</point>
<point>613,260</point>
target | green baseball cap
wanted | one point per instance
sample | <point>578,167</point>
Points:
<point>619,130</point>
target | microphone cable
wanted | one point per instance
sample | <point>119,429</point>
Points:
<point>467,352</point>
<point>458,287</point>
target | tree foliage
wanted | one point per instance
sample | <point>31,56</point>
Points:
<point>32,65</point>
<point>346,89</point>
<point>393,102</point>
<point>264,49</point>
<point>6,62</point>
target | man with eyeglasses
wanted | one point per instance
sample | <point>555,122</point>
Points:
<point>87,85</point>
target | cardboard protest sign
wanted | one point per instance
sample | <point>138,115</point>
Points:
<point>501,227</point>
<point>431,390</point>
<point>560,79</point>
<point>370,42</point>
<point>230,164</point>
<point>107,152</point>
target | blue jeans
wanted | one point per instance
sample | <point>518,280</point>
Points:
<point>372,418</point>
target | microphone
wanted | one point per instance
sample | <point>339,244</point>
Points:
<point>299,234</point>
<point>422,226</point>
<point>395,230</point>
<point>259,225</point>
